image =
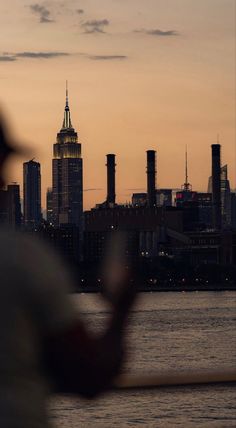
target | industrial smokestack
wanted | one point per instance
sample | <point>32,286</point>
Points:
<point>111,186</point>
<point>216,186</point>
<point>151,178</point>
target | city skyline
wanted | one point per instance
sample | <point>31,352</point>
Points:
<point>155,76</point>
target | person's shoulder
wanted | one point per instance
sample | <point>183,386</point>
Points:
<point>19,244</point>
<point>25,251</point>
<point>35,260</point>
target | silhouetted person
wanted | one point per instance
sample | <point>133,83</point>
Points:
<point>44,345</point>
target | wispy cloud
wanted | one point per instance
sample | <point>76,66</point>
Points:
<point>95,26</point>
<point>157,32</point>
<point>10,57</point>
<point>107,57</point>
<point>7,58</point>
<point>44,55</point>
<point>43,13</point>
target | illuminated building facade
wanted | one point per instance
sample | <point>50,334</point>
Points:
<point>67,176</point>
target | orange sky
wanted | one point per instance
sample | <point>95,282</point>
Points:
<point>153,74</point>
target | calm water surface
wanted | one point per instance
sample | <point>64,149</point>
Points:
<point>167,331</point>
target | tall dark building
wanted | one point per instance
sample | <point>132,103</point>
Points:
<point>111,185</point>
<point>151,178</point>
<point>216,186</point>
<point>14,205</point>
<point>32,193</point>
<point>67,179</point>
<point>225,195</point>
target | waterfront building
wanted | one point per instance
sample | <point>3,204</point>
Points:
<point>147,230</point>
<point>139,199</point>
<point>65,240</point>
<point>205,209</point>
<point>164,197</point>
<point>32,193</point>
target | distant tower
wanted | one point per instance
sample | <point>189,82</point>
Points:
<point>111,185</point>
<point>32,193</point>
<point>67,179</point>
<point>225,195</point>
<point>151,178</point>
<point>216,186</point>
<point>186,186</point>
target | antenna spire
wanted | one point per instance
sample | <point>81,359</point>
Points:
<point>186,186</point>
<point>186,164</point>
<point>67,120</point>
<point>67,97</point>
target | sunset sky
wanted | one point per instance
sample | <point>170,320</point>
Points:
<point>153,74</point>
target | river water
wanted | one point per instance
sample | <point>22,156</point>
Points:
<point>167,331</point>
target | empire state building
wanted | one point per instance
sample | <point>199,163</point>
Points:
<point>67,175</point>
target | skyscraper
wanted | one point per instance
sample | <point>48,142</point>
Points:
<point>32,193</point>
<point>10,207</point>
<point>14,206</point>
<point>67,179</point>
<point>224,194</point>
<point>216,186</point>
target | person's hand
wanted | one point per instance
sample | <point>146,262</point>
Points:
<point>118,282</point>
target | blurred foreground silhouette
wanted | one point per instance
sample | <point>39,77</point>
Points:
<point>44,346</point>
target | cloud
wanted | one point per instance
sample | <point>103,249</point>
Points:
<point>7,58</point>
<point>107,57</point>
<point>158,33</point>
<point>80,11</point>
<point>10,57</point>
<point>43,13</point>
<point>95,26</point>
<point>44,55</point>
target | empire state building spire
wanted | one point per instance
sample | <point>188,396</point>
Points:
<point>67,119</point>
